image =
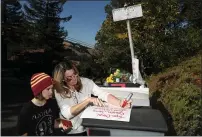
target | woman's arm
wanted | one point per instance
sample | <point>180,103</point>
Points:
<point>97,91</point>
<point>70,111</point>
<point>111,99</point>
<point>76,109</point>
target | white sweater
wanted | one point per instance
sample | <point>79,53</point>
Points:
<point>89,87</point>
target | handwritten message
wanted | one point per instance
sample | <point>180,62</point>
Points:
<point>107,113</point>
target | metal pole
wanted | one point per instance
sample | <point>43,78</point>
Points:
<point>130,40</point>
<point>131,49</point>
<point>134,60</point>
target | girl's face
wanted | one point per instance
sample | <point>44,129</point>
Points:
<point>70,77</point>
<point>48,92</point>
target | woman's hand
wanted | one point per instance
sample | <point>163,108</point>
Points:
<point>128,105</point>
<point>96,101</point>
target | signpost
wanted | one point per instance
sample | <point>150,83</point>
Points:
<point>128,13</point>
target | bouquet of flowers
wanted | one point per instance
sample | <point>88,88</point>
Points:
<point>118,76</point>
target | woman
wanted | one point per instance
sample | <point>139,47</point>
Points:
<point>73,95</point>
<point>38,116</point>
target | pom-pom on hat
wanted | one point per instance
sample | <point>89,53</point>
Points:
<point>39,82</point>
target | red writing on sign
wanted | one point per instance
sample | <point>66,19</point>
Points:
<point>109,113</point>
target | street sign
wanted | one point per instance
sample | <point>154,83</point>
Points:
<point>126,13</point>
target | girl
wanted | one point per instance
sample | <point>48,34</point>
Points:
<point>38,116</point>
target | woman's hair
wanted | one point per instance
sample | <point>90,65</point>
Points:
<point>58,75</point>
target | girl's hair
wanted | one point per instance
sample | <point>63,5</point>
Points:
<point>40,97</point>
<point>60,84</point>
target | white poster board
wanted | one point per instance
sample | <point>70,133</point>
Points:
<point>107,113</point>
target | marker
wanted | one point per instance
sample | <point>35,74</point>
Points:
<point>126,100</point>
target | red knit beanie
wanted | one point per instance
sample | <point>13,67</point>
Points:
<point>39,82</point>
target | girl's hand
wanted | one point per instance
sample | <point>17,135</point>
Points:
<point>65,124</point>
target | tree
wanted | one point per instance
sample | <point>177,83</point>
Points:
<point>160,37</point>
<point>43,16</point>
<point>11,26</point>
<point>191,12</point>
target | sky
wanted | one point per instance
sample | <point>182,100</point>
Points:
<point>87,18</point>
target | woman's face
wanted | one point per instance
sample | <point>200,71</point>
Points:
<point>70,77</point>
<point>47,92</point>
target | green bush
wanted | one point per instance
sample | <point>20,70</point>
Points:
<point>179,90</point>
<point>184,105</point>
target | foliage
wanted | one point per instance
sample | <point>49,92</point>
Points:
<point>36,25</point>
<point>11,26</point>
<point>191,12</point>
<point>163,37</point>
<point>43,20</point>
<point>181,95</point>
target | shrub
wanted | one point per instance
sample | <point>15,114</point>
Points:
<point>179,90</point>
